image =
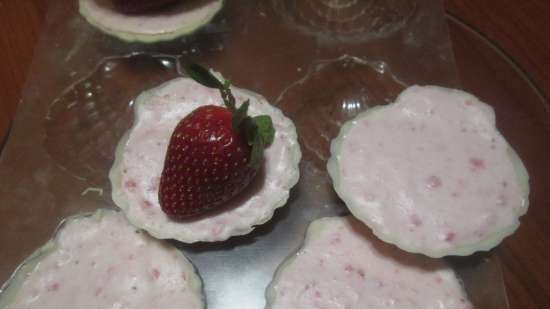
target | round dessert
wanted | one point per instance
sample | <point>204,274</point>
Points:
<point>100,261</point>
<point>140,156</point>
<point>430,173</point>
<point>342,265</point>
<point>154,26</point>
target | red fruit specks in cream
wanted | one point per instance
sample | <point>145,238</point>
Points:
<point>477,164</point>
<point>94,272</point>
<point>449,174</point>
<point>376,273</point>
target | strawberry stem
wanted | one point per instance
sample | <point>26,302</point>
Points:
<point>228,98</point>
<point>259,130</point>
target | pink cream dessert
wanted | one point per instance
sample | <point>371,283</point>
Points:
<point>141,153</point>
<point>430,173</point>
<point>101,261</point>
<point>341,265</point>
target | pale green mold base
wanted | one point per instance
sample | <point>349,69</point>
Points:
<point>11,287</point>
<point>130,37</point>
<point>486,244</point>
<point>9,290</point>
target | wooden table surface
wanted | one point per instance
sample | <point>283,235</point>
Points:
<point>519,27</point>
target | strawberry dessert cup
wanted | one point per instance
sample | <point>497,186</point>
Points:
<point>140,157</point>
<point>431,173</point>
<point>342,265</point>
<point>99,260</point>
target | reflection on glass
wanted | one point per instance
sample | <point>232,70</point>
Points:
<point>332,92</point>
<point>347,20</point>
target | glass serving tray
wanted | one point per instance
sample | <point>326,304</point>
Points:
<point>78,103</point>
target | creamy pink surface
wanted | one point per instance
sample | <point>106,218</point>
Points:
<point>343,266</point>
<point>102,12</point>
<point>431,173</point>
<point>142,158</point>
<point>106,263</point>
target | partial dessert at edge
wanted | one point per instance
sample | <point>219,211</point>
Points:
<point>99,260</point>
<point>342,265</point>
<point>149,21</point>
<point>431,173</point>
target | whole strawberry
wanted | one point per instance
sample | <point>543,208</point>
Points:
<point>213,154</point>
<point>141,6</point>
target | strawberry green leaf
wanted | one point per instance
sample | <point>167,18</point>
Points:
<point>265,129</point>
<point>257,153</point>
<point>260,134</point>
<point>203,76</point>
<point>250,130</point>
<point>240,115</point>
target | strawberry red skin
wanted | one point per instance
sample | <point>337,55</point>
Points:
<point>206,164</point>
<point>141,6</point>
